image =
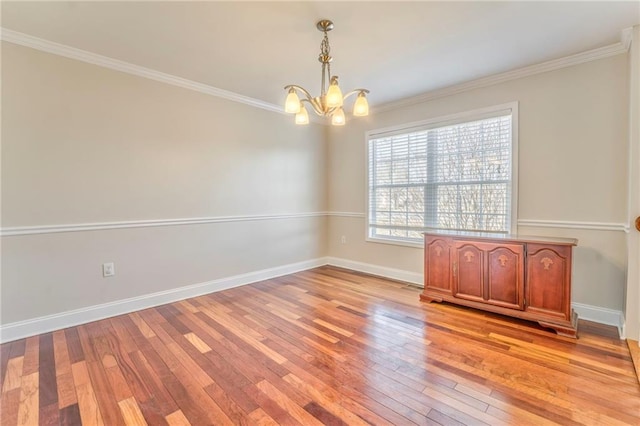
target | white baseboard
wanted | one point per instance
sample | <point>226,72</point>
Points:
<point>383,271</point>
<point>22,329</point>
<point>600,315</point>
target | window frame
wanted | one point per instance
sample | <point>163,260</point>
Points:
<point>441,121</point>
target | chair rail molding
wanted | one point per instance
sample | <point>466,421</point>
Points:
<point>534,223</point>
<point>99,226</point>
<point>571,224</point>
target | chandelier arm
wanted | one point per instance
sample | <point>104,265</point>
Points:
<point>296,87</point>
<point>316,107</point>
<point>353,92</point>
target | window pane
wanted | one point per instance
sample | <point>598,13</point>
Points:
<point>455,177</point>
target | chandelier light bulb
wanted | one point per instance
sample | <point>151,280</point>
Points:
<point>334,94</point>
<point>292,103</point>
<point>302,117</point>
<point>361,106</point>
<point>337,119</point>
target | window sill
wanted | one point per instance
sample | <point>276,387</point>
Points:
<point>404,243</point>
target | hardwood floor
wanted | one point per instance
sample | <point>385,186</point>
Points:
<point>325,346</point>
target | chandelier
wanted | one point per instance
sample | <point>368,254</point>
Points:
<point>330,102</point>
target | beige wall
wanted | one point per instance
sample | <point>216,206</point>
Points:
<point>572,167</point>
<point>84,144</point>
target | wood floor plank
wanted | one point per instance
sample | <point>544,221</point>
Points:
<point>194,413</point>
<point>322,346</point>
<point>259,418</point>
<point>150,368</point>
<point>28,410</point>
<point>13,375</point>
<point>142,325</point>
<point>131,412</point>
<point>16,348</point>
<point>177,418</point>
<point>70,415</point>
<point>240,332</point>
<point>9,407</point>
<point>197,342</point>
<point>66,390</point>
<point>104,394</point>
<point>49,415</point>
<point>47,385</point>
<point>296,411</point>
<point>87,403</point>
<point>323,395</point>
<point>31,356</point>
<point>73,344</point>
<point>270,407</point>
<point>5,352</point>
<point>61,353</point>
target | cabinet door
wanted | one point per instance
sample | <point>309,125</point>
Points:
<point>490,273</point>
<point>505,276</point>
<point>469,271</point>
<point>548,280</point>
<point>437,265</point>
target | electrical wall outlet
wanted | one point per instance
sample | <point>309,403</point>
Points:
<point>108,269</point>
<point>343,239</point>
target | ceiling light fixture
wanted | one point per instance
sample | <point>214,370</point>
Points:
<point>330,102</point>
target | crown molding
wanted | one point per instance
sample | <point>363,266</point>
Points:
<point>48,46</point>
<point>555,64</point>
<point>43,45</point>
<point>626,37</point>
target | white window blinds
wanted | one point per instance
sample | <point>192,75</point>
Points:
<point>452,177</point>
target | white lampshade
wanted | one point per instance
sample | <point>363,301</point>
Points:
<point>337,119</point>
<point>292,103</point>
<point>361,107</point>
<point>334,94</point>
<point>302,117</point>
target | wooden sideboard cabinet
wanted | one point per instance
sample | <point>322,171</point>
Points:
<point>523,277</point>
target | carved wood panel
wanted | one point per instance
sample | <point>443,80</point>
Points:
<point>547,280</point>
<point>470,270</point>
<point>438,266</point>
<point>505,281</point>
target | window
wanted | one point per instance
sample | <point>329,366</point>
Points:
<point>455,173</point>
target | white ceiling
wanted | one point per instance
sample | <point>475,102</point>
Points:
<point>396,49</point>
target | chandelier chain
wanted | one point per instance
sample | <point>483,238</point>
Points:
<point>325,50</point>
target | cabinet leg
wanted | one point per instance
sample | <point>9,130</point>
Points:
<point>428,299</point>
<point>567,330</point>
